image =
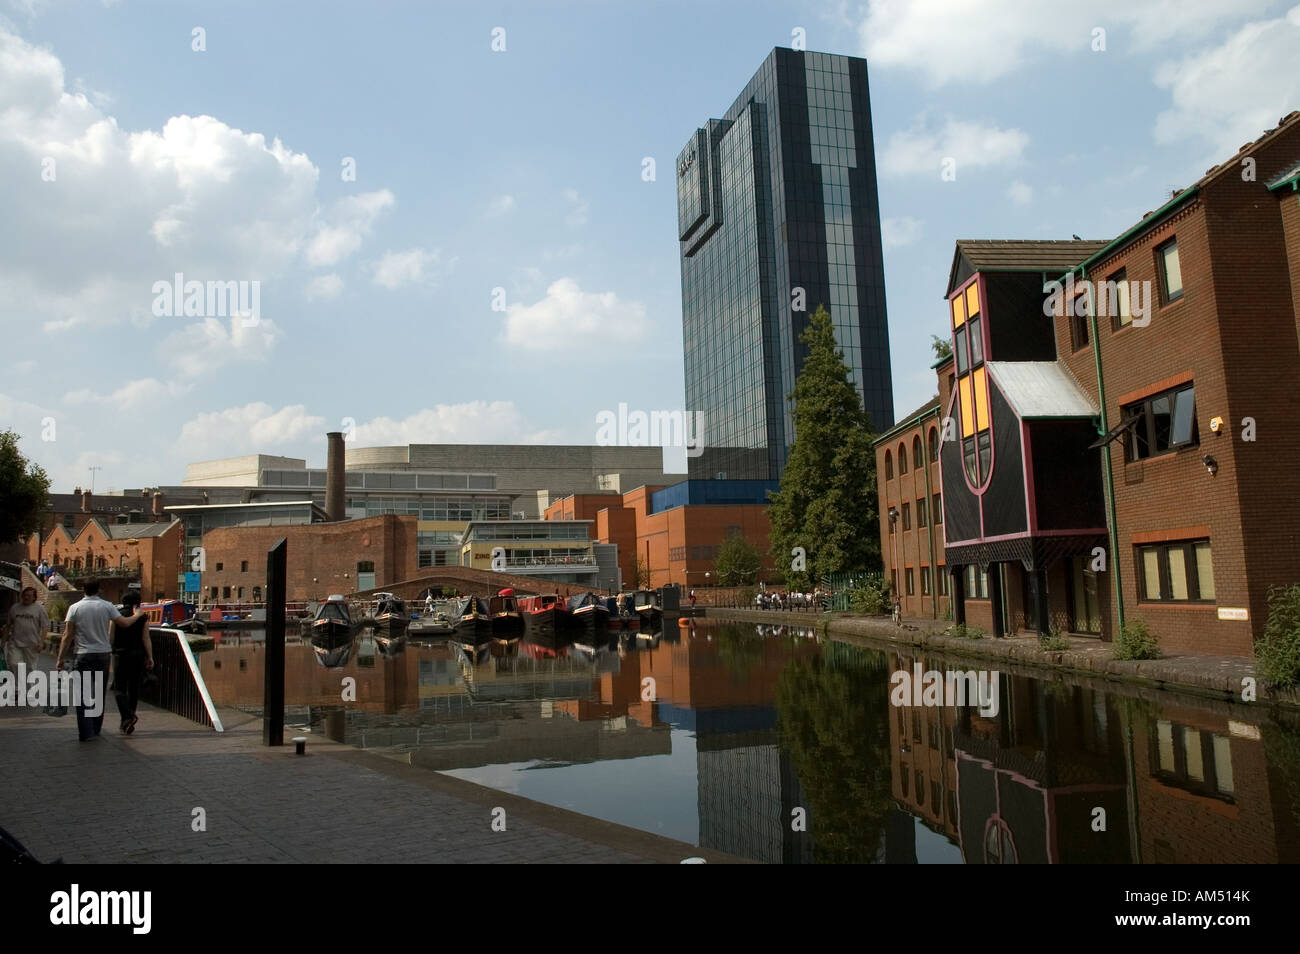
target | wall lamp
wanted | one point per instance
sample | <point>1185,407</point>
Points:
<point>1211,464</point>
<point>893,514</point>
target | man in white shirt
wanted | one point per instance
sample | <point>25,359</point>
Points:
<point>89,626</point>
<point>25,632</point>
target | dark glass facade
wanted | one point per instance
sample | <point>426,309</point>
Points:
<point>779,195</point>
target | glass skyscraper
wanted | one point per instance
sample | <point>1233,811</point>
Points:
<point>777,213</point>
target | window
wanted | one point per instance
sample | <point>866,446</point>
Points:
<point>902,458</point>
<point>240,593</point>
<point>213,594</point>
<point>243,566</point>
<point>1117,300</point>
<point>942,573</point>
<point>1163,422</point>
<point>922,518</point>
<point>968,455</point>
<point>1193,759</point>
<point>889,466</point>
<point>1171,272</point>
<point>911,581</point>
<point>225,592</point>
<point>917,459</point>
<point>976,343</point>
<point>1180,572</point>
<point>937,509</point>
<point>934,444</point>
<point>925,581</point>
<point>1079,322</point>
<point>220,566</point>
<point>907,516</point>
<point>366,566</point>
<point>977,583</point>
<point>257,594</point>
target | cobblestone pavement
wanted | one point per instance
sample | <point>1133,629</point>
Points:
<point>134,799</point>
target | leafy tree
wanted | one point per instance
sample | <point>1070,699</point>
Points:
<point>24,491</point>
<point>827,500</point>
<point>942,347</point>
<point>642,573</point>
<point>738,562</point>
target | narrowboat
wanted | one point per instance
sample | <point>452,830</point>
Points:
<point>332,626</point>
<point>590,614</point>
<point>546,611</point>
<point>648,609</point>
<point>171,613</point>
<point>507,622</point>
<point>471,621</point>
<point>390,611</point>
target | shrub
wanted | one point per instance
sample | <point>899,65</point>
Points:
<point>745,597</point>
<point>1277,652</point>
<point>871,597</point>
<point>1053,641</point>
<point>962,631</point>
<point>57,609</point>
<point>1136,642</point>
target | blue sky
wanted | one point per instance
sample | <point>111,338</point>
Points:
<point>518,170</point>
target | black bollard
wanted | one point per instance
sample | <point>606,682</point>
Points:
<point>273,688</point>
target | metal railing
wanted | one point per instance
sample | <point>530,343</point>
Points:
<point>179,687</point>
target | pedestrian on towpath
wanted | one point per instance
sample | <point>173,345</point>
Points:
<point>132,658</point>
<point>89,622</point>
<point>24,632</point>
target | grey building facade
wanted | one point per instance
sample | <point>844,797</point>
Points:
<point>777,214</point>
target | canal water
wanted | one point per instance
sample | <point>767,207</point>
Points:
<point>770,743</point>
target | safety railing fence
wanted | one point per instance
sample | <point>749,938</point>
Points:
<point>179,686</point>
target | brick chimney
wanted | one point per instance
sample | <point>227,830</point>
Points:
<point>158,504</point>
<point>85,501</point>
<point>335,478</point>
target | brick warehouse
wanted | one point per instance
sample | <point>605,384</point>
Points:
<point>1152,422</point>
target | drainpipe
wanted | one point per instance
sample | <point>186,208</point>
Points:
<point>929,500</point>
<point>1111,523</point>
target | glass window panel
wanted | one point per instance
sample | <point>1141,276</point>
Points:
<point>1184,418</point>
<point>986,454</point>
<point>1223,765</point>
<point>1177,573</point>
<point>967,410</point>
<point>962,362</point>
<point>1122,313</point>
<point>1151,573</point>
<point>981,400</point>
<point>1192,751</point>
<point>1205,571</point>
<point>958,312</point>
<point>1165,734</point>
<point>1161,423</point>
<point>973,299</point>
<point>976,342</point>
<point>1173,270</point>
<point>968,453</point>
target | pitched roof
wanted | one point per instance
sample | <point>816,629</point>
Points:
<point>1022,255</point>
<point>1039,389</point>
<point>128,531</point>
<point>1289,174</point>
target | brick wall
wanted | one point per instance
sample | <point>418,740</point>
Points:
<point>910,548</point>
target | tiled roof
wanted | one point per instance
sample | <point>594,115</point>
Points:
<point>1287,174</point>
<point>991,255</point>
<point>128,531</point>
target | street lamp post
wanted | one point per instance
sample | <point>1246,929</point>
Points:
<point>893,533</point>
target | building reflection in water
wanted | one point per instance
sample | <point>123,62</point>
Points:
<point>787,727</point>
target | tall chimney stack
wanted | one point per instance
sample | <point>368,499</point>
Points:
<point>335,478</point>
<point>158,504</point>
<point>85,501</point>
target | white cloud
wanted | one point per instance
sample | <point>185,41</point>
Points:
<point>127,208</point>
<point>568,314</point>
<point>212,343</point>
<point>134,394</point>
<point>578,208</point>
<point>922,150</point>
<point>1228,95</point>
<point>960,41</point>
<point>247,429</point>
<point>473,422</point>
<point>413,266</point>
<point>897,232</point>
<point>325,287</point>
<point>1020,193</point>
<point>350,221</point>
<point>500,205</point>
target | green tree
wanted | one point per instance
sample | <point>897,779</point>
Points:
<point>827,501</point>
<point>942,347</point>
<point>737,563</point>
<point>24,491</point>
<point>642,574</point>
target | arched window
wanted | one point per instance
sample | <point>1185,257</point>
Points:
<point>902,458</point>
<point>917,459</point>
<point>889,466</point>
<point>934,444</point>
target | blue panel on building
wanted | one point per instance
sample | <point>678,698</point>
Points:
<point>700,492</point>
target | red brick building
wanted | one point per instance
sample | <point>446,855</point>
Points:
<point>1122,443</point>
<point>148,553</point>
<point>911,512</point>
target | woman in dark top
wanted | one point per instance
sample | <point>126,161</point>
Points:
<point>132,656</point>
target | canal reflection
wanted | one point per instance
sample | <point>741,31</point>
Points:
<point>768,743</point>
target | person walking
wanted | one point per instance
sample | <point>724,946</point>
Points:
<point>25,631</point>
<point>692,599</point>
<point>132,658</point>
<point>89,622</point>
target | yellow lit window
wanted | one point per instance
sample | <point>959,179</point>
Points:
<point>967,415</point>
<point>958,312</point>
<point>981,400</point>
<point>973,300</point>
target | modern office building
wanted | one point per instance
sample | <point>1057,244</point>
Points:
<point>777,214</point>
